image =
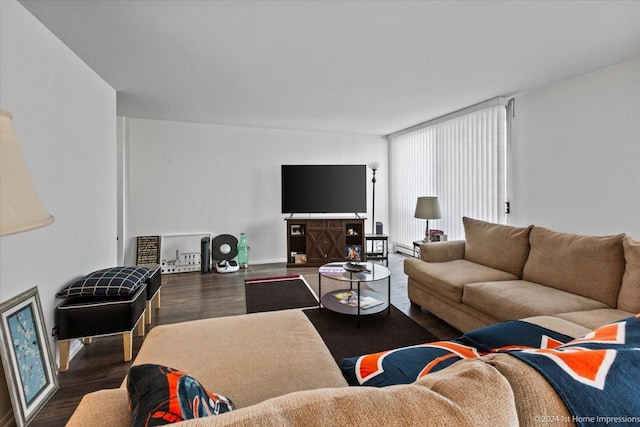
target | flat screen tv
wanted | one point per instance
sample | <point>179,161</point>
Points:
<point>324,189</point>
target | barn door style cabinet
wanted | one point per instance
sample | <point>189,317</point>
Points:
<point>317,241</point>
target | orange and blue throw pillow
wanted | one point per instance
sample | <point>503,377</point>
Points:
<point>159,395</point>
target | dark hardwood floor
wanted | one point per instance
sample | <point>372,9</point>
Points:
<point>191,296</point>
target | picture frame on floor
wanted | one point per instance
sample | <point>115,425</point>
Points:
<point>27,359</point>
<point>180,253</point>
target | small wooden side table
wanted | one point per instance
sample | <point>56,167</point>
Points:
<point>376,254</point>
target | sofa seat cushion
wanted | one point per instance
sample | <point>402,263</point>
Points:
<point>591,266</point>
<point>593,319</point>
<point>448,278</point>
<point>515,299</point>
<point>279,349</point>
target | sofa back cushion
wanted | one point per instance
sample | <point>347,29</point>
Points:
<point>590,266</point>
<point>495,245</point>
<point>629,297</point>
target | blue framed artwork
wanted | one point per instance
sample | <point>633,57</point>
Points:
<point>26,357</point>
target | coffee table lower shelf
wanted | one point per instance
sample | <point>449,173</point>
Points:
<point>330,302</point>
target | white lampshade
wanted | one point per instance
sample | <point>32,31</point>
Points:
<point>374,165</point>
<point>20,205</point>
<point>427,208</point>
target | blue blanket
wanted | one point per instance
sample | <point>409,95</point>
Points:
<point>407,364</point>
<point>597,376</point>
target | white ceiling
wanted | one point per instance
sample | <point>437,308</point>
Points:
<point>370,67</point>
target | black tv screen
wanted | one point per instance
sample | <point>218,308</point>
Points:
<point>324,188</point>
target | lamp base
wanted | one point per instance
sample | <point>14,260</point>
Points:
<point>426,233</point>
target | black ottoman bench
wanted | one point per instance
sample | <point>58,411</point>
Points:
<point>88,317</point>
<point>106,302</point>
<point>154,284</point>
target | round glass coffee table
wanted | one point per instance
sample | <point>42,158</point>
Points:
<point>345,300</point>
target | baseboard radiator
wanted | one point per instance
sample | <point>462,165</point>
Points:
<point>403,249</point>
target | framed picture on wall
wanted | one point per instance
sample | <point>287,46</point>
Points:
<point>26,356</point>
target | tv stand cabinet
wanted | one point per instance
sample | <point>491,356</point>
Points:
<point>314,242</point>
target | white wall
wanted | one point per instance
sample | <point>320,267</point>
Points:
<point>577,151</point>
<point>186,177</point>
<point>64,116</point>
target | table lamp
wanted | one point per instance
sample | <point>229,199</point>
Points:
<point>20,206</point>
<point>427,208</point>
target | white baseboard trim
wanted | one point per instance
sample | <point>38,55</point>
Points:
<point>8,420</point>
<point>267,261</point>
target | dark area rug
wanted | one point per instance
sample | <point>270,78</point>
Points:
<point>378,332</point>
<point>278,293</point>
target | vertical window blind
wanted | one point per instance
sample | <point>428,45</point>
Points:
<point>462,161</point>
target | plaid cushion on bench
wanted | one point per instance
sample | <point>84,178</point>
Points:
<point>114,281</point>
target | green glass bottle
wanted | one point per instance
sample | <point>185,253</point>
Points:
<point>243,251</point>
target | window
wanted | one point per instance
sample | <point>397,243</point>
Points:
<point>461,159</point>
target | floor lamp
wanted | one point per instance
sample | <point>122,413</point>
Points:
<point>427,208</point>
<point>21,210</point>
<point>374,167</point>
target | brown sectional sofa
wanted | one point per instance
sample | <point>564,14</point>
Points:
<point>277,370</point>
<point>502,272</point>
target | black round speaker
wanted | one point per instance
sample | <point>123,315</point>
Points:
<point>224,247</point>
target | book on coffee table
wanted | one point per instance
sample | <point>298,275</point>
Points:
<point>350,298</point>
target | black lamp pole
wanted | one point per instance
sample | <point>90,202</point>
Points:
<point>373,201</point>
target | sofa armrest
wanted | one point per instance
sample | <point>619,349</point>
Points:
<point>442,251</point>
<point>103,408</point>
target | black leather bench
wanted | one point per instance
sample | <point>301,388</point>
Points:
<point>88,317</point>
<point>154,284</point>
